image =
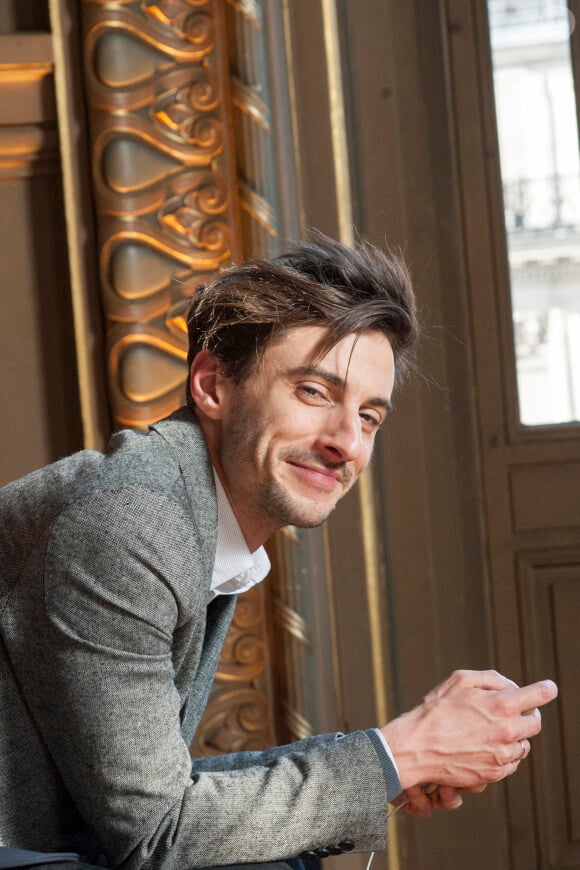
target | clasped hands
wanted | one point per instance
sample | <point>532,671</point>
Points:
<point>474,728</point>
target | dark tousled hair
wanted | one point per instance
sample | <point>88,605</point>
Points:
<point>319,282</point>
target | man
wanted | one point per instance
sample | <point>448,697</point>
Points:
<point>119,574</point>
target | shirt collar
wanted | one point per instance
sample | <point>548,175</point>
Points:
<point>235,568</point>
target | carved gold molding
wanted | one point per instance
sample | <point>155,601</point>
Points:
<point>249,87</point>
<point>163,181</point>
<point>166,197</point>
<point>239,716</point>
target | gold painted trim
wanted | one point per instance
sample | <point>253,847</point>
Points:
<point>247,100</point>
<point>372,577</point>
<point>25,72</point>
<point>344,209</point>
<point>373,587</point>
<point>87,376</point>
<point>256,206</point>
<point>293,107</point>
<point>337,122</point>
<point>297,724</point>
<point>338,702</point>
<point>291,622</point>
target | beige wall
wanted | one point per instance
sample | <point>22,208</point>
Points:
<point>38,379</point>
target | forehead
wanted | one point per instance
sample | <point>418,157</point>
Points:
<point>361,359</point>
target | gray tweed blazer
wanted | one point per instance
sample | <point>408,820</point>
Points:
<point>107,655</point>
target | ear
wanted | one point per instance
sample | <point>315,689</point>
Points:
<point>208,384</point>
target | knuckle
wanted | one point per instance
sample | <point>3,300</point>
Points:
<point>502,755</point>
<point>507,732</point>
<point>503,706</point>
<point>537,722</point>
<point>496,774</point>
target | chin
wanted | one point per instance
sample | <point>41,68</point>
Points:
<point>293,509</point>
<point>312,523</point>
<point>310,519</point>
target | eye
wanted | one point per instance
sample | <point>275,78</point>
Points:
<point>371,421</point>
<point>312,393</point>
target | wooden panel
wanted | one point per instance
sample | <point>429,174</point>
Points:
<point>549,583</point>
<point>26,79</point>
<point>17,16</point>
<point>38,392</point>
<point>531,478</point>
<point>567,623</point>
<point>545,496</point>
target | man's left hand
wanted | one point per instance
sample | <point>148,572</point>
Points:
<point>418,801</point>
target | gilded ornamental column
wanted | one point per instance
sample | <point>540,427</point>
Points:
<point>166,200</point>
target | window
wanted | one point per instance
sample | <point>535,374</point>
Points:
<point>538,142</point>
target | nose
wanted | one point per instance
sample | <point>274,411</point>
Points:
<point>342,439</point>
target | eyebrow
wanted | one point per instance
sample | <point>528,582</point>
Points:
<point>337,381</point>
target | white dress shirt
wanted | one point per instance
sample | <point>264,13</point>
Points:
<point>235,569</point>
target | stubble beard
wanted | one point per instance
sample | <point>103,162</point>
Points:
<point>268,495</point>
<point>291,510</point>
<point>280,505</point>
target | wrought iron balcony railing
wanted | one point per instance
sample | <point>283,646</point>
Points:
<point>541,204</point>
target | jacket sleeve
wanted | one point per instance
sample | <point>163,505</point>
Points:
<point>105,701</point>
<point>267,757</point>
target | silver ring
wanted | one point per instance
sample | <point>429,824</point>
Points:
<point>523,745</point>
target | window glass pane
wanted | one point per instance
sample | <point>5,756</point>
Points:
<point>538,140</point>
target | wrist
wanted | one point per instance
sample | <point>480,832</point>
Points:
<point>406,744</point>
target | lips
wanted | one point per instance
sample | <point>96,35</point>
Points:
<point>319,476</point>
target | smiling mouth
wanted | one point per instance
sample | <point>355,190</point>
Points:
<point>319,475</point>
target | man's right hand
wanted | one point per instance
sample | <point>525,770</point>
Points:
<point>472,729</point>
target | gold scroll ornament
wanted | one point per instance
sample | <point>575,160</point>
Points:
<point>167,213</point>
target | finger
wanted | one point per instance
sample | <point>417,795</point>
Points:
<point>538,694</point>
<point>524,748</point>
<point>512,753</point>
<point>491,680</point>
<point>401,799</point>
<point>419,803</point>
<point>474,789</point>
<point>526,700</point>
<point>502,771</point>
<point>447,798</point>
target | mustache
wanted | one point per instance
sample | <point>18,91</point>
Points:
<point>307,457</point>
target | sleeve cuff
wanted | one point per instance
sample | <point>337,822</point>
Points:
<point>390,771</point>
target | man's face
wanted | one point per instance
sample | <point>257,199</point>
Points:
<point>297,433</point>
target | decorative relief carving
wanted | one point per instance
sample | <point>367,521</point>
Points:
<point>165,204</point>
<point>257,208</point>
<point>239,716</point>
<point>179,18</point>
<point>249,86</point>
<point>166,201</point>
<point>249,102</point>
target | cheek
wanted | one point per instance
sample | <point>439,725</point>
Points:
<point>287,424</point>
